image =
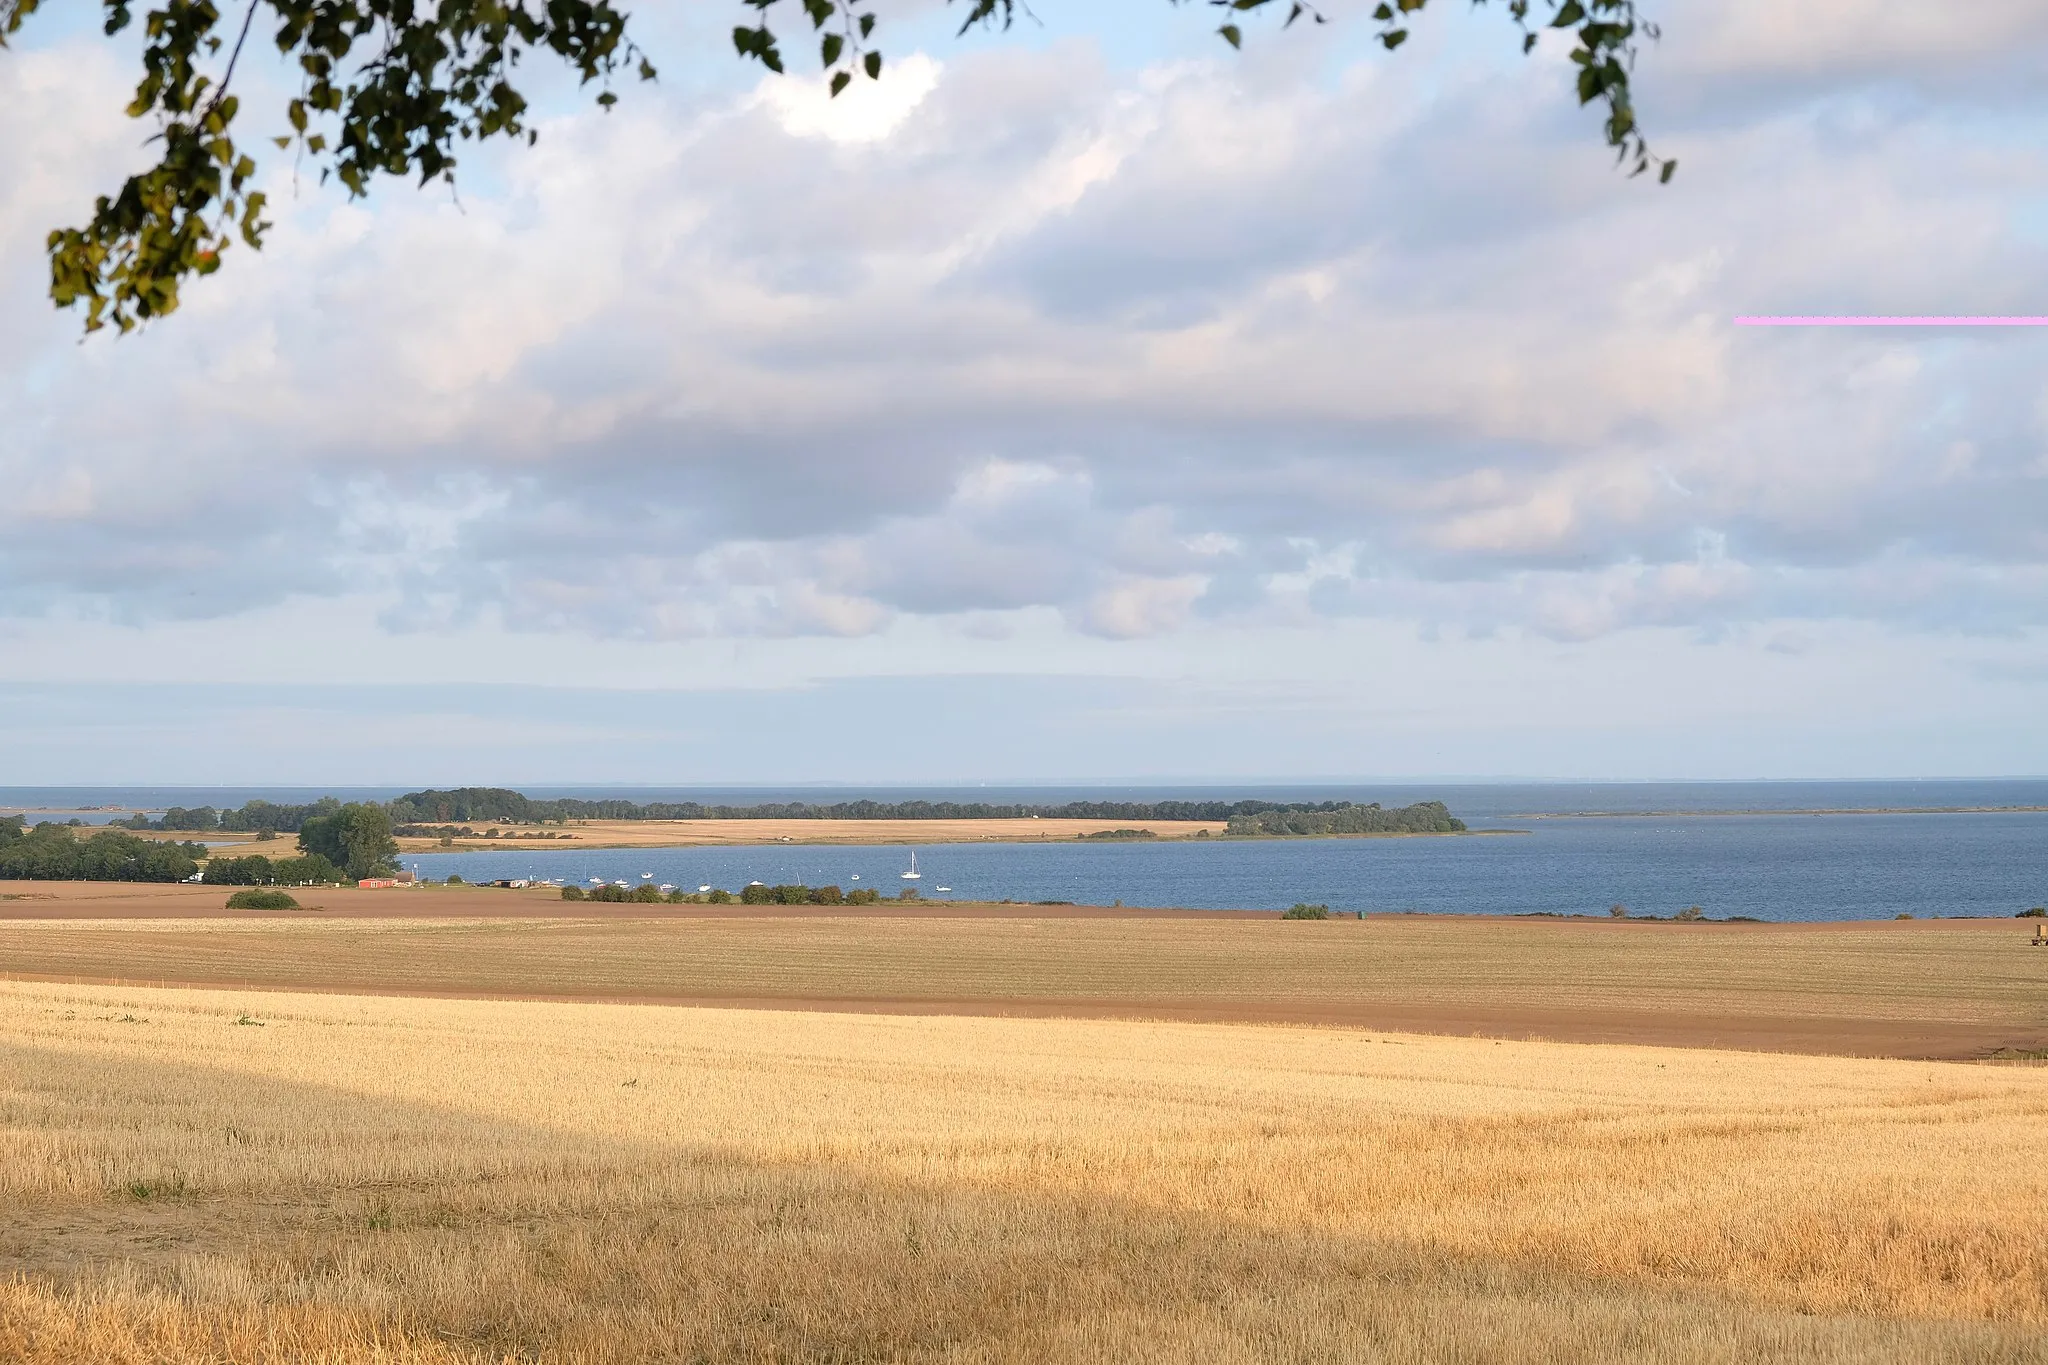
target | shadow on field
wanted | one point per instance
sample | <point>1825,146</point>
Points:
<point>214,1215</point>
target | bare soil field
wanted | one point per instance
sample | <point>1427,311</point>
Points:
<point>193,1176</point>
<point>1951,989</point>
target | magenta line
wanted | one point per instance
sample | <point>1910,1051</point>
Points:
<point>1888,322</point>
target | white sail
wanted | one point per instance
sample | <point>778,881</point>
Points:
<point>913,874</point>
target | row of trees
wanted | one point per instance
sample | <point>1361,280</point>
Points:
<point>52,852</point>
<point>309,869</point>
<point>503,805</point>
<point>751,895</point>
<point>1424,817</point>
<point>251,817</point>
<point>444,812</point>
<point>336,842</point>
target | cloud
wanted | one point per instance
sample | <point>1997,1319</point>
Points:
<point>866,111</point>
<point>1021,333</point>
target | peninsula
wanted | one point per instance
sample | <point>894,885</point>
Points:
<point>469,818</point>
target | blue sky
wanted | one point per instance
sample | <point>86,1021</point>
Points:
<point>1087,404</point>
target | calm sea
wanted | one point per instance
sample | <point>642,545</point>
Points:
<point>1655,847</point>
<point>1777,867</point>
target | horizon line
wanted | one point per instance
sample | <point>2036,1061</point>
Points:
<point>1802,320</point>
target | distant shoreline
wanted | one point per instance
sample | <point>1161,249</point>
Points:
<point>1772,810</point>
<point>819,833</point>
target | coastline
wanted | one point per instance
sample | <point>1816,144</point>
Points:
<point>1775,810</point>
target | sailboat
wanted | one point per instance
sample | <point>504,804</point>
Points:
<point>913,874</point>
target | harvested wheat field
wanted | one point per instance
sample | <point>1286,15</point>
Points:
<point>1949,989</point>
<point>195,1176</point>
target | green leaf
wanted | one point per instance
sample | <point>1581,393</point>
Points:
<point>1232,35</point>
<point>873,63</point>
<point>840,80</point>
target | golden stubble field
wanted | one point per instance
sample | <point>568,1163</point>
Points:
<point>201,1176</point>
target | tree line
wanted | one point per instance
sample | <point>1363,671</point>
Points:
<point>441,811</point>
<point>337,842</point>
<point>754,894</point>
<point>507,806</point>
<point>1424,817</point>
<point>54,852</point>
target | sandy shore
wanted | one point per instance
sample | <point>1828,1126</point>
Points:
<point>688,833</point>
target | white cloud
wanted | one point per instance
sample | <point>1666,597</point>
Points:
<point>865,111</point>
<point>1021,334</point>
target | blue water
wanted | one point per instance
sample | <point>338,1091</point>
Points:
<point>1775,867</point>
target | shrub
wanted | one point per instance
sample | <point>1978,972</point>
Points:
<point>1905,915</point>
<point>455,879</point>
<point>2038,912</point>
<point>1618,910</point>
<point>647,893</point>
<point>1691,912</point>
<point>756,894</point>
<point>827,895</point>
<point>866,895</point>
<point>1303,910</point>
<point>908,893</point>
<point>257,898</point>
<point>718,895</point>
<point>572,893</point>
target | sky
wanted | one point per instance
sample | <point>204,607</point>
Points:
<point>1084,403</point>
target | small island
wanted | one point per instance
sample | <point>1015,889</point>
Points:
<point>1334,818</point>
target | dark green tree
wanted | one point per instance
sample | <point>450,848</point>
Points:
<point>356,838</point>
<point>393,87</point>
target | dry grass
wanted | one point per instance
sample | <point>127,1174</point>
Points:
<point>1959,988</point>
<point>356,1180</point>
<point>683,833</point>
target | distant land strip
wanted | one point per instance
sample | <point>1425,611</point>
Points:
<point>1779,810</point>
<point>430,813</point>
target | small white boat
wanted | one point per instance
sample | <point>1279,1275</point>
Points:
<point>597,881</point>
<point>913,874</point>
<point>646,876</point>
<point>704,888</point>
<point>666,887</point>
<point>942,888</point>
<point>856,876</point>
<point>757,882</point>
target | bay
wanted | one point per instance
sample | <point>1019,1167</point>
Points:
<point>1786,867</point>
